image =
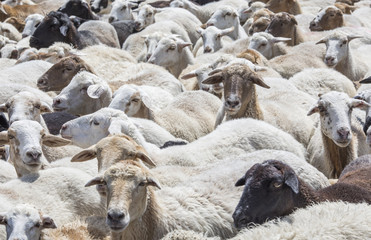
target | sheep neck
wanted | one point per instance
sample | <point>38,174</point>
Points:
<point>306,196</point>
<point>185,59</point>
<point>153,224</point>
<point>346,66</point>
<point>339,157</point>
<point>250,107</point>
<point>194,9</point>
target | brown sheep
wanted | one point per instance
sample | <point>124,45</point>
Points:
<point>345,8</point>
<point>20,12</point>
<point>16,22</point>
<point>328,18</point>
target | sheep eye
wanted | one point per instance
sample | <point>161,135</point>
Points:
<point>95,123</point>
<point>281,24</point>
<point>227,14</point>
<point>84,89</point>
<point>277,184</point>
<point>321,109</point>
<point>37,225</point>
<point>135,100</point>
<point>10,136</point>
<point>263,45</point>
<point>123,8</point>
<point>37,106</point>
<point>37,24</point>
<point>344,42</point>
<point>7,105</point>
<point>142,184</point>
<point>171,48</point>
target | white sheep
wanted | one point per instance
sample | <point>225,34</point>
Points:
<point>85,94</point>
<point>9,31</point>
<point>213,39</point>
<point>31,23</point>
<point>132,99</point>
<point>121,10</point>
<point>145,17</point>
<point>314,81</point>
<point>268,45</point>
<point>7,171</point>
<point>172,53</point>
<point>4,41</point>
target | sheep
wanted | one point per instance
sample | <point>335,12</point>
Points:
<point>31,23</point>
<point>289,6</point>
<point>135,100</point>
<point>78,8</point>
<point>328,18</point>
<point>339,56</point>
<point>86,35</point>
<point>9,31</point>
<point>25,138</point>
<point>21,11</point>
<point>124,29</point>
<point>81,133</point>
<point>247,12</point>
<point>145,17</point>
<point>291,191</point>
<point>314,81</point>
<point>285,25</point>
<point>4,41</point>
<point>121,10</point>
<point>18,24</point>
<point>213,39</point>
<point>362,14</point>
<point>342,137</point>
<point>66,198</point>
<point>268,45</point>
<point>259,25</point>
<point>25,73</point>
<point>101,6</point>
<point>345,8</point>
<point>85,94</point>
<point>173,54</point>
<point>10,89</point>
<point>226,17</point>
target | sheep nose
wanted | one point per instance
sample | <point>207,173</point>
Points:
<point>205,88</point>
<point>64,127</point>
<point>137,25</point>
<point>56,101</point>
<point>343,133</point>
<point>115,215</point>
<point>232,102</point>
<point>34,155</point>
<point>207,49</point>
<point>330,59</point>
<point>111,19</point>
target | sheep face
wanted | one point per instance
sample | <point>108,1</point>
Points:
<point>25,222</point>
<point>32,22</point>
<point>146,16</point>
<point>98,5</point>
<point>264,42</point>
<point>335,109</point>
<point>223,18</point>
<point>259,25</point>
<point>121,10</point>
<point>24,106</point>
<point>55,27</point>
<point>269,192</point>
<point>167,50</point>
<point>89,129</point>
<point>212,38</point>
<point>328,18</point>
<point>78,8</point>
<point>61,74</point>
<point>128,99</point>
<point>86,93</point>
<point>127,185</point>
<point>366,96</point>
<point>151,42</point>
<point>282,25</point>
<point>201,74</point>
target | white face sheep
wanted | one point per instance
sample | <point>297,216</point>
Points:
<point>86,93</point>
<point>328,18</point>
<point>145,17</point>
<point>121,10</point>
<point>265,43</point>
<point>212,38</point>
<point>25,222</point>
<point>151,41</point>
<point>32,22</point>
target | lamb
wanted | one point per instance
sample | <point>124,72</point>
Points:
<point>121,10</point>
<point>342,137</point>
<point>226,17</point>
<point>66,202</point>
<point>9,31</point>
<point>81,133</point>
<point>339,56</point>
<point>173,54</point>
<point>291,191</point>
<point>285,25</point>
<point>31,23</point>
<point>133,99</point>
<point>78,8</point>
<point>213,39</point>
<point>88,33</point>
<point>268,45</point>
<point>314,81</point>
<point>86,93</point>
<point>25,138</point>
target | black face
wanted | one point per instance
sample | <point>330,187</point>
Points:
<point>269,192</point>
<point>102,4</point>
<point>77,8</point>
<point>52,29</point>
<point>4,125</point>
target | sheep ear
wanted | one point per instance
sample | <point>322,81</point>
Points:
<point>2,9</point>
<point>145,158</point>
<point>115,127</point>
<point>182,45</point>
<point>226,31</point>
<point>54,141</point>
<point>85,155</point>
<point>203,26</point>
<point>366,80</point>
<point>187,76</point>
<point>199,30</point>
<point>95,181</point>
<point>292,181</point>
<point>48,222</point>
<point>153,182</point>
<point>131,5</point>
<point>351,37</point>
<point>4,138</point>
<point>3,108</point>
<point>63,29</point>
<point>2,218</point>
<point>360,96</point>
<point>44,108</point>
<point>248,10</point>
<point>314,109</point>
<point>240,182</point>
<point>213,79</point>
<point>96,91</point>
<point>258,81</point>
<point>293,19</point>
<point>323,40</point>
<point>355,103</point>
<point>280,39</point>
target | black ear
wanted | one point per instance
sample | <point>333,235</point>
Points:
<point>240,182</point>
<point>292,181</point>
